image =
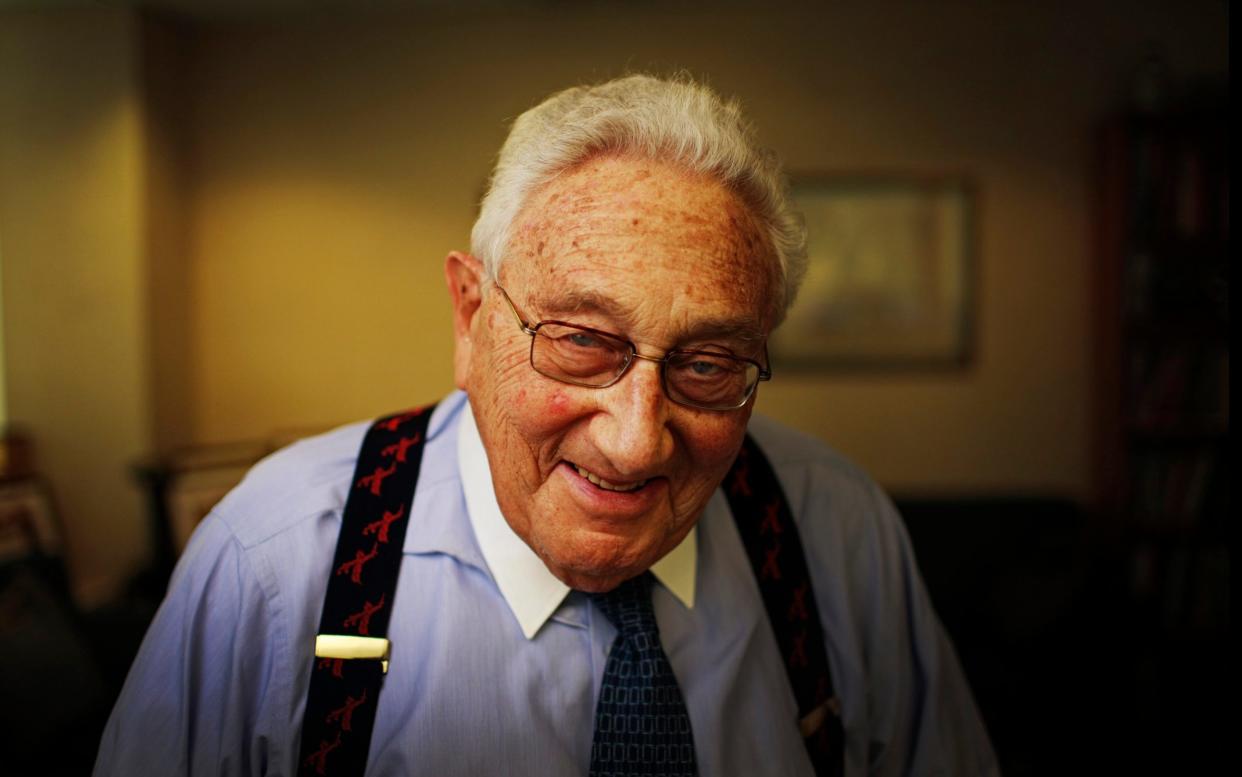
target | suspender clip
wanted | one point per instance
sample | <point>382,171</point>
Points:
<point>815,719</point>
<point>350,648</point>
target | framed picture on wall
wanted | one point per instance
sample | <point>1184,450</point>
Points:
<point>889,278</point>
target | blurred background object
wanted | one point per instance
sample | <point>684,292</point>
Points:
<point>55,696</point>
<point>220,221</point>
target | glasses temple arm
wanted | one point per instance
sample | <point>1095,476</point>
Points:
<point>525,327</point>
<point>765,371</point>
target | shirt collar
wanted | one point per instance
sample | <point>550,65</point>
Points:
<point>531,591</point>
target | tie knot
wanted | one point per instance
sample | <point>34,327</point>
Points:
<point>628,606</point>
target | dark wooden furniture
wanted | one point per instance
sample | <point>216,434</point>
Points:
<point>1161,360</point>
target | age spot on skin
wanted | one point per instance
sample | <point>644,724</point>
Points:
<point>558,403</point>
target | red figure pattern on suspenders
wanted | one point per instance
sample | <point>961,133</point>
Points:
<point>394,423</point>
<point>399,448</point>
<point>354,568</point>
<point>772,519</point>
<point>345,713</point>
<point>380,527</point>
<point>362,618</point>
<point>772,565</point>
<point>797,608</point>
<point>337,665</point>
<point>376,479</point>
<point>797,655</point>
<point>319,758</point>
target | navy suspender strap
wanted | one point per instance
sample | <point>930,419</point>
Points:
<point>351,649</point>
<point>768,532</point>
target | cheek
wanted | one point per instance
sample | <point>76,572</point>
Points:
<point>554,408</point>
<point>547,409</point>
<point>713,446</point>
<point>558,403</point>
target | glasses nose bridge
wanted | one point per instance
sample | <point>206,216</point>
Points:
<point>634,356</point>
<point>657,359</point>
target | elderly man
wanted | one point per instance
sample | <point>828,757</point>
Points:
<point>576,592</point>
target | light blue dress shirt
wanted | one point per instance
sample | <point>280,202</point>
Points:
<point>219,685</point>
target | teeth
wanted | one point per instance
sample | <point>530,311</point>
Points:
<point>604,484</point>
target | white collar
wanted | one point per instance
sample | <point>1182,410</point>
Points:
<point>532,592</point>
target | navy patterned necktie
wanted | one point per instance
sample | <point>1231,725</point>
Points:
<point>641,723</point>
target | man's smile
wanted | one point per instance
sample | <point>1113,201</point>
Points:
<point>600,499</point>
<point>605,484</point>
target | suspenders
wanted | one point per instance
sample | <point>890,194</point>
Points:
<point>351,649</point>
<point>770,536</point>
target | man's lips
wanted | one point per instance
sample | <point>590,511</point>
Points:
<point>607,504</point>
<point>607,485</point>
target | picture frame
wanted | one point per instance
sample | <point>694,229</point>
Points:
<point>890,274</point>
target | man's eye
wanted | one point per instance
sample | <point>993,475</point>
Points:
<point>706,369</point>
<point>583,340</point>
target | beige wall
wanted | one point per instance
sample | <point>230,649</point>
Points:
<point>71,220</point>
<point>301,181</point>
<point>337,163</point>
<point>4,399</point>
<point>165,53</point>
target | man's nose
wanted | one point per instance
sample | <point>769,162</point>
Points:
<point>632,433</point>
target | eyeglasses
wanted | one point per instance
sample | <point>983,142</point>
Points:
<point>582,356</point>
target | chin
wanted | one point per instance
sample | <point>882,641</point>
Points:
<point>597,564</point>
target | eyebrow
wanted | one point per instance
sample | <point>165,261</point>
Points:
<point>576,302</point>
<point>572,302</point>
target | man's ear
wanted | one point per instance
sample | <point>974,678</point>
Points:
<point>464,275</point>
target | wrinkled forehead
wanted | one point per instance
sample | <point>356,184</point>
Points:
<point>620,234</point>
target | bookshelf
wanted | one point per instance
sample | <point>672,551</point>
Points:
<point>1161,361</point>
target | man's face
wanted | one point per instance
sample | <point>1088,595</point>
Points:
<point>668,260</point>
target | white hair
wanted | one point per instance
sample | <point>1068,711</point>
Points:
<point>676,120</point>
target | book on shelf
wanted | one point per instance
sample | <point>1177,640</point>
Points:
<point>1172,488</point>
